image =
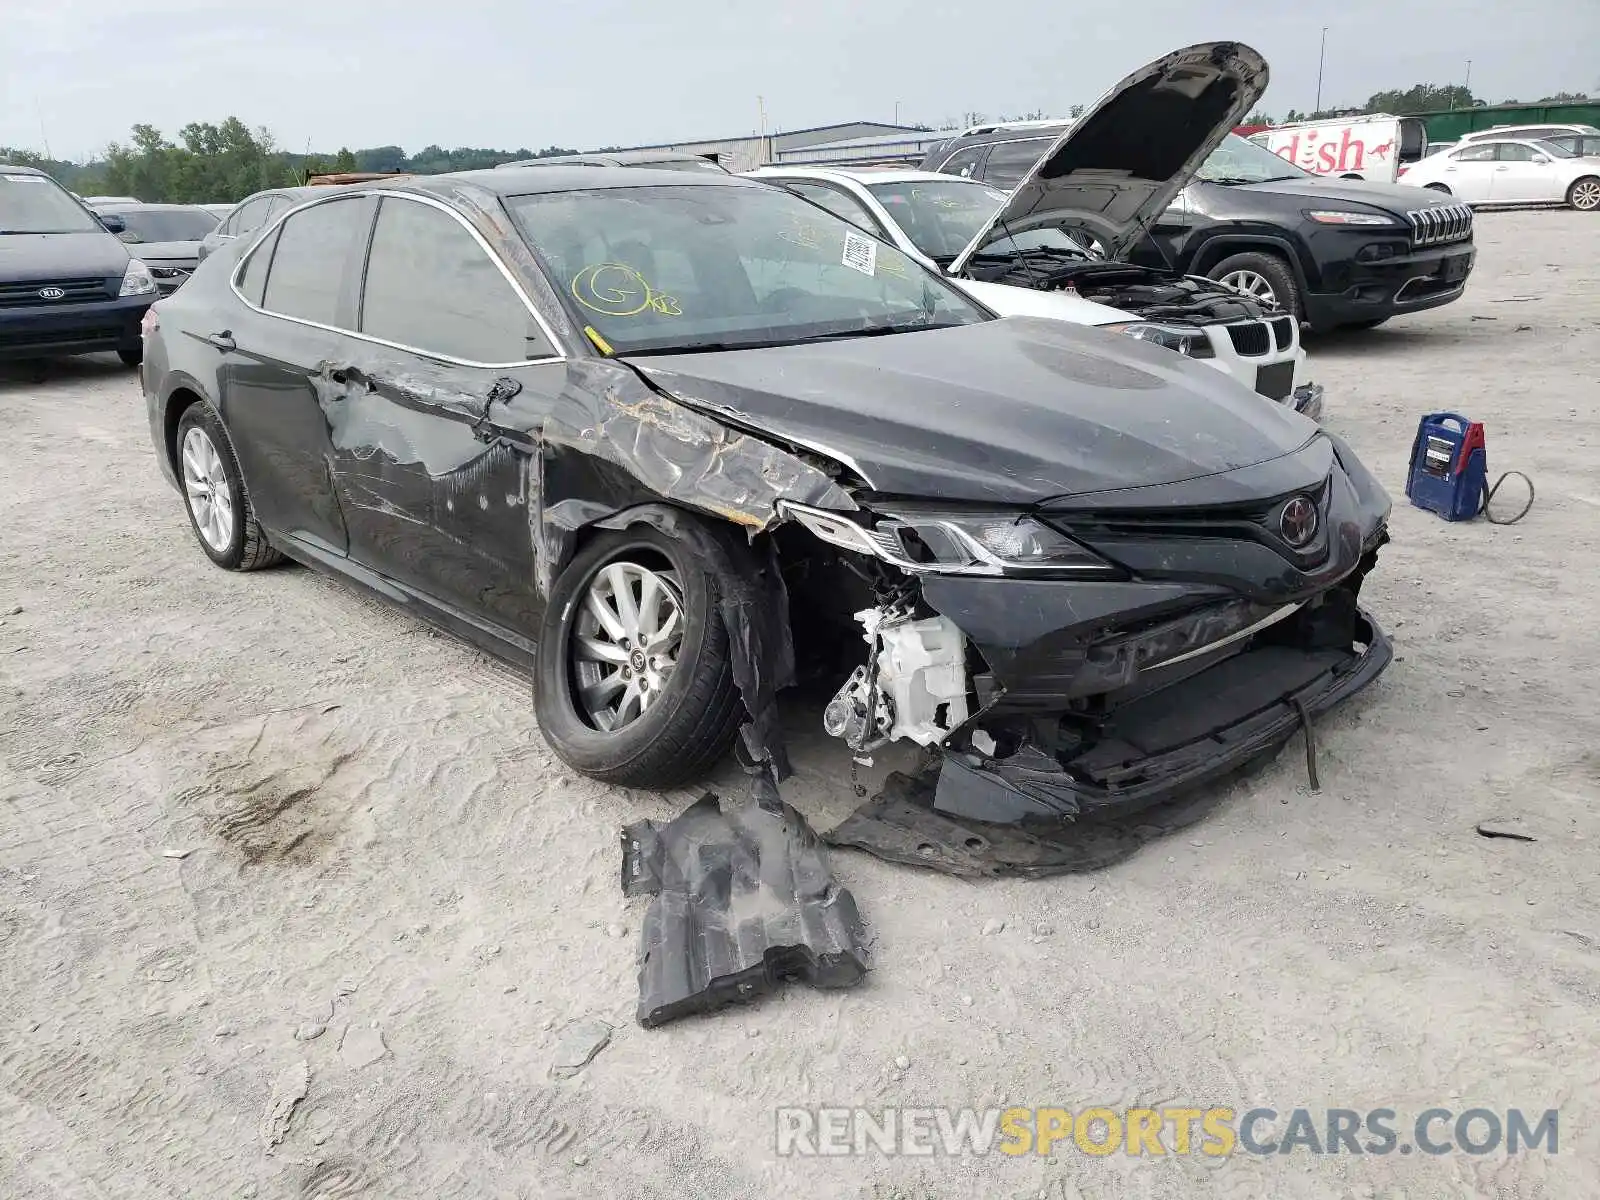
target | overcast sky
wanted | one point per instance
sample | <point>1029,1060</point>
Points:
<point>503,73</point>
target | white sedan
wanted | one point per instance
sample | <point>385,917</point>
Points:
<point>1511,171</point>
<point>932,217</point>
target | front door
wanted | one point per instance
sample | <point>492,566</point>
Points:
<point>433,478</point>
<point>303,285</point>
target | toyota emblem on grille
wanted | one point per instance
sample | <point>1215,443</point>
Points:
<point>1298,522</point>
<point>51,293</point>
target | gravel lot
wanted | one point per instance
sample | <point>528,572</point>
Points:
<point>264,839</point>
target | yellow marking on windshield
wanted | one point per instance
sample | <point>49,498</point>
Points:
<point>618,290</point>
<point>600,343</point>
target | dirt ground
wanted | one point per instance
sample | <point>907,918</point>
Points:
<point>294,901</point>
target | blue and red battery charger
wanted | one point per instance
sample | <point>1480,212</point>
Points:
<point>1449,466</point>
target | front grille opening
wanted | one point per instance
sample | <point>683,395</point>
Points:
<point>1251,339</point>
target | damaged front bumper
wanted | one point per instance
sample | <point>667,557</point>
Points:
<point>1212,631</point>
<point>1170,741</point>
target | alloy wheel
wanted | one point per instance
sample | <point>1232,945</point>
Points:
<point>1251,283</point>
<point>1586,195</point>
<point>205,483</point>
<point>626,642</point>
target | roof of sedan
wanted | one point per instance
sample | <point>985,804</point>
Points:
<point>525,181</point>
<point>126,207</point>
<point>864,174</point>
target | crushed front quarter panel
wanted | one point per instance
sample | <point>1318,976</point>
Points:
<point>744,898</point>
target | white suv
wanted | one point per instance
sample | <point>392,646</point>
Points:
<point>936,217</point>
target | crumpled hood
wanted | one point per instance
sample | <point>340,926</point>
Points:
<point>1014,411</point>
<point>1118,167</point>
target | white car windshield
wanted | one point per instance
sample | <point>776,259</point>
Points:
<point>38,204</point>
<point>711,267</point>
<point>939,216</point>
<point>1553,150</point>
<point>1239,161</point>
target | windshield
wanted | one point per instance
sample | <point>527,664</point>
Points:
<point>167,224</point>
<point>687,267</point>
<point>940,217</point>
<point>1239,161</point>
<point>1554,150</point>
<point>38,204</point>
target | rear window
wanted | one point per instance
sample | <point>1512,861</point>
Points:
<point>1010,161</point>
<point>38,204</point>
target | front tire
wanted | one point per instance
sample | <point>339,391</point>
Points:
<point>1438,187</point>
<point>131,356</point>
<point>1584,194</point>
<point>633,684</point>
<point>220,512</point>
<point>1264,277</point>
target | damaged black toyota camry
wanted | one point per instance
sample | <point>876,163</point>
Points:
<point>693,438</point>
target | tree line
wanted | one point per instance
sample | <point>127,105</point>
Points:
<point>222,163</point>
<point>1418,98</point>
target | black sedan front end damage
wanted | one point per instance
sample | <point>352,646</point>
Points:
<point>1112,650</point>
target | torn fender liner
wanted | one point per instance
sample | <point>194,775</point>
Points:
<point>754,605</point>
<point>744,898</point>
<point>899,824</point>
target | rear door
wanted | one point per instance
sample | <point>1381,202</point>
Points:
<point>436,495</point>
<point>275,386</point>
<point>1469,171</point>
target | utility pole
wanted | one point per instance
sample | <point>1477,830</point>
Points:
<point>897,112</point>
<point>1322,55</point>
<point>1468,83</point>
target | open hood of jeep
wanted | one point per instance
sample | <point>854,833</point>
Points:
<point>1118,167</point>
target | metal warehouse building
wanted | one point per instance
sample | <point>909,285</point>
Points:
<point>746,153</point>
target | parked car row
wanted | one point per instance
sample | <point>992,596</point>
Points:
<point>691,434</point>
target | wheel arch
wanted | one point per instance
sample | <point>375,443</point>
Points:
<point>1224,245</point>
<point>182,394</point>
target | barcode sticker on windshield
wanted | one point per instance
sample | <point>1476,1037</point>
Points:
<point>860,253</point>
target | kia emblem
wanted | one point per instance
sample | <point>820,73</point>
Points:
<point>52,293</point>
<point>1298,522</point>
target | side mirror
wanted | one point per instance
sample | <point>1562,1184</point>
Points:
<point>127,235</point>
<point>113,223</point>
<point>1540,159</point>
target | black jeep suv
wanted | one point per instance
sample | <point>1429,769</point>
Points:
<point>1335,252</point>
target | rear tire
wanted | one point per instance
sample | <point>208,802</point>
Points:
<point>1262,275</point>
<point>1584,194</point>
<point>696,710</point>
<point>214,495</point>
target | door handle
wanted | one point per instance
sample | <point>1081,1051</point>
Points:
<point>222,341</point>
<point>1502,168</point>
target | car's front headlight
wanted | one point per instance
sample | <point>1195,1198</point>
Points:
<point>1348,216</point>
<point>137,280</point>
<point>1191,343</point>
<point>953,543</point>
